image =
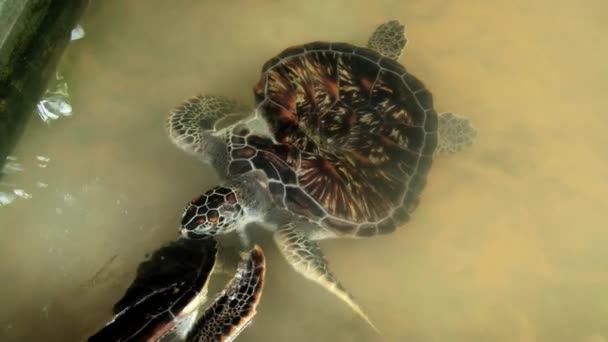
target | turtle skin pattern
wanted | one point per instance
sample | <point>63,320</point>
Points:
<point>354,136</point>
<point>234,308</point>
<point>206,208</point>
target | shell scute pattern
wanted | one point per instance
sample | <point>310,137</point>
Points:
<point>237,167</point>
<point>340,226</point>
<point>369,55</point>
<point>343,48</point>
<point>277,161</point>
<point>307,86</point>
<point>355,134</point>
<point>300,203</point>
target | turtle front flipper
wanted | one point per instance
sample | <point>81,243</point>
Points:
<point>165,295</point>
<point>388,39</point>
<point>234,308</point>
<point>190,124</point>
<point>306,257</point>
<point>163,301</point>
<point>456,133</point>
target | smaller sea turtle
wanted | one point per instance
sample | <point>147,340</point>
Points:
<point>338,146</point>
<point>170,287</point>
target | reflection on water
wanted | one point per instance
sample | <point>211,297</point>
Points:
<point>10,191</point>
<point>55,102</point>
<point>507,245</point>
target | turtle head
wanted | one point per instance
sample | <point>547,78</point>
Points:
<point>215,212</point>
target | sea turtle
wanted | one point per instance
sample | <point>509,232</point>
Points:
<point>339,144</point>
<point>170,287</point>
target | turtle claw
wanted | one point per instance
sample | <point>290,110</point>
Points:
<point>306,257</point>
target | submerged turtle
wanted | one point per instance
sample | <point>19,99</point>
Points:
<point>163,301</point>
<point>339,145</point>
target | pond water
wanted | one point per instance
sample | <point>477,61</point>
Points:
<point>508,244</point>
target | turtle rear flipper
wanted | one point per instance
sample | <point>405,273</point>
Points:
<point>456,133</point>
<point>388,39</point>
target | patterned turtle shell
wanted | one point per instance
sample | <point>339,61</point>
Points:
<point>354,135</point>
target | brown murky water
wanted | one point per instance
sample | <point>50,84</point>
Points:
<point>509,243</point>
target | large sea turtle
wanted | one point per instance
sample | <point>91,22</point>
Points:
<point>163,302</point>
<point>339,144</point>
